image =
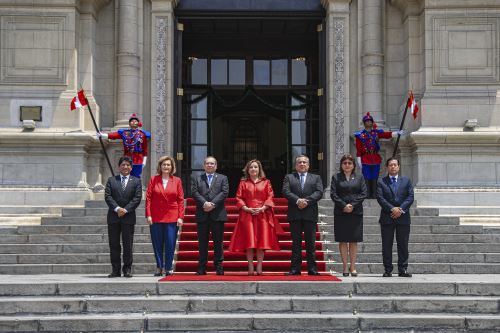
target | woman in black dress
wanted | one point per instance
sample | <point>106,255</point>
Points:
<point>348,190</point>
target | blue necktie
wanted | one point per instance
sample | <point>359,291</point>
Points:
<point>302,180</point>
<point>209,180</point>
<point>394,184</point>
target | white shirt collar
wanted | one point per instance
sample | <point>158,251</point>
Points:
<point>396,176</point>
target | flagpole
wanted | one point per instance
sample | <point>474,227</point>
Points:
<point>400,129</point>
<point>100,139</point>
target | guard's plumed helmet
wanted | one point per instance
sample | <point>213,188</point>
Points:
<point>367,117</point>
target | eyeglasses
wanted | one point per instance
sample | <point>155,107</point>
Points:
<point>347,162</point>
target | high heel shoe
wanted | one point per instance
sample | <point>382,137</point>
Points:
<point>353,273</point>
<point>345,274</point>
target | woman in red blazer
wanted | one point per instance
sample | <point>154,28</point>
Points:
<point>164,213</point>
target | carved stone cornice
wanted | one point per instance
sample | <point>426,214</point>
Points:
<point>91,6</point>
<point>409,7</point>
<point>336,5</point>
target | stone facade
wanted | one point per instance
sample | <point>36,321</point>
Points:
<point>121,53</point>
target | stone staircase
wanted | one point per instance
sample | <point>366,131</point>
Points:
<point>438,244</point>
<point>68,303</point>
<point>76,243</point>
<point>53,280</point>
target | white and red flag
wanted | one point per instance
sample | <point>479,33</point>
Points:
<point>412,105</point>
<point>79,101</point>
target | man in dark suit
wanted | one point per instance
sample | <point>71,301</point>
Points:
<point>123,194</point>
<point>395,196</point>
<point>209,191</point>
<point>303,190</point>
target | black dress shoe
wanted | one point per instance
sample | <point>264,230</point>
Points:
<point>313,272</point>
<point>201,272</point>
<point>127,274</point>
<point>404,274</point>
<point>293,272</point>
<point>114,274</point>
<point>168,273</point>
<point>220,271</point>
<point>387,274</point>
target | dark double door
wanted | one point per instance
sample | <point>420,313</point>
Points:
<point>250,90</point>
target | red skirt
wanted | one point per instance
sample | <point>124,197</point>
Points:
<point>255,232</point>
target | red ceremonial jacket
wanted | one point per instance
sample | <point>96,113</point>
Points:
<point>367,146</point>
<point>165,205</point>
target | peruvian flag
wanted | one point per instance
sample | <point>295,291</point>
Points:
<point>79,101</point>
<point>412,105</point>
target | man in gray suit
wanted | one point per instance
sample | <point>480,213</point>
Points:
<point>303,191</point>
<point>209,191</point>
<point>123,195</point>
<point>395,196</point>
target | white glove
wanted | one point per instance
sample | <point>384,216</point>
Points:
<point>101,135</point>
<point>400,132</point>
<point>144,159</point>
<point>358,159</point>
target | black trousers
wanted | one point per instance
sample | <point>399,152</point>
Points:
<point>309,230</point>
<point>217,230</point>
<point>371,185</point>
<point>126,232</point>
<point>402,237</point>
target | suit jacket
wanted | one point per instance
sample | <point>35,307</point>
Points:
<point>165,205</point>
<point>130,198</point>
<point>216,194</point>
<point>388,199</point>
<point>345,192</point>
<point>313,192</point>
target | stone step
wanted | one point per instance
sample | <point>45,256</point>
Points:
<point>369,211</point>
<point>141,238</point>
<point>367,220</point>
<point>140,285</point>
<point>265,322</point>
<point>415,220</point>
<point>141,257</point>
<point>369,247</point>
<point>28,209</point>
<point>148,268</point>
<point>144,229</point>
<point>323,203</point>
<point>45,305</point>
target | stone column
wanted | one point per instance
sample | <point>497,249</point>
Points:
<point>337,55</point>
<point>128,63</point>
<point>372,59</point>
<point>162,79</point>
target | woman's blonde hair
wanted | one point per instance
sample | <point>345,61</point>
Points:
<point>246,175</point>
<point>163,159</point>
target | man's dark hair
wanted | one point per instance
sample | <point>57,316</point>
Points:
<point>392,159</point>
<point>124,159</point>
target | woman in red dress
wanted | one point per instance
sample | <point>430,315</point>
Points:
<point>256,227</point>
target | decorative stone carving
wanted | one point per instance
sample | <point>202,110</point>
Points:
<point>160,133</point>
<point>465,50</point>
<point>339,86</point>
<point>33,49</point>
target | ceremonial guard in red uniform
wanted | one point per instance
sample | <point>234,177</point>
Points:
<point>367,151</point>
<point>135,143</point>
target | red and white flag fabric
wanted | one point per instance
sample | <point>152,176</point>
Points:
<point>412,105</point>
<point>79,101</point>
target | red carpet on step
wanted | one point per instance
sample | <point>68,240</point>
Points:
<point>234,277</point>
<point>275,262</point>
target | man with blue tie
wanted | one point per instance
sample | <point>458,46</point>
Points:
<point>395,196</point>
<point>123,195</point>
<point>303,191</point>
<point>209,190</point>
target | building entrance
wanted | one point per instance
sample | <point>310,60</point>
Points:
<point>250,91</point>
